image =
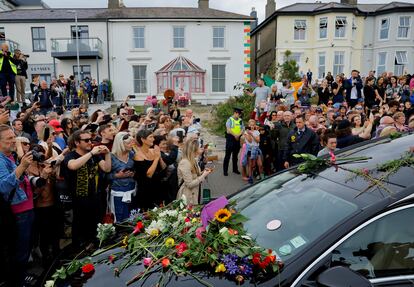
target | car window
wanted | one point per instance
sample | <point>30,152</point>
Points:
<point>383,248</point>
<point>306,208</point>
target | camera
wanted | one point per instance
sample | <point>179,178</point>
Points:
<point>131,96</point>
<point>37,156</point>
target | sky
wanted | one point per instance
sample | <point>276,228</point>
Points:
<point>237,6</point>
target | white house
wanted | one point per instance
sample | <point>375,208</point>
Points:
<point>133,46</point>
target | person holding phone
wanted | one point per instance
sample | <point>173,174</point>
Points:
<point>190,176</point>
<point>122,176</point>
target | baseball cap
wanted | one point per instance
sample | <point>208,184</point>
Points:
<point>337,105</point>
<point>56,125</point>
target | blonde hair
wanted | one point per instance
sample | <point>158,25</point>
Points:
<point>190,152</point>
<point>119,144</point>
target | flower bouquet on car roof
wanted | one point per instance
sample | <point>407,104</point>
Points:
<point>182,240</point>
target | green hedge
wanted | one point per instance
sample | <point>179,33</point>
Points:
<point>223,111</point>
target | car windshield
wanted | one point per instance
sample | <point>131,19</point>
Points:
<point>305,211</point>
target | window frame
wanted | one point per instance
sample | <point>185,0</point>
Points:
<point>145,80</point>
<point>135,38</point>
<point>259,36</point>
<point>379,71</point>
<point>38,39</point>
<point>73,27</point>
<point>338,64</point>
<point>323,257</point>
<point>218,78</point>
<point>343,21</point>
<point>224,37</point>
<point>319,65</point>
<point>76,74</point>
<point>381,29</point>
<point>326,27</point>
<point>408,27</point>
<point>174,37</point>
<point>298,28</point>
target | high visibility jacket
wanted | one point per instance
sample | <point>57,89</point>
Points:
<point>12,65</point>
<point>236,126</point>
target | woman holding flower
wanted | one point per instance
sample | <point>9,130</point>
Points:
<point>190,176</point>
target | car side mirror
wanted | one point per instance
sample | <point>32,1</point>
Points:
<point>340,276</point>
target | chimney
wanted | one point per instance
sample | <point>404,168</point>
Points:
<point>203,4</point>
<point>115,4</point>
<point>270,7</point>
<point>253,14</point>
<point>349,2</point>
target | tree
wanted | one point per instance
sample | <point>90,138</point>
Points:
<point>289,70</point>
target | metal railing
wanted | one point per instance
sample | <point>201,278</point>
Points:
<point>68,45</point>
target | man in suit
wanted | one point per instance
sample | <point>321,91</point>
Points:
<point>353,88</point>
<point>300,140</point>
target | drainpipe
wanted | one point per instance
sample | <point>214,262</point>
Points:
<point>107,49</point>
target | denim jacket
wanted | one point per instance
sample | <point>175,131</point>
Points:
<point>121,184</point>
<point>9,181</point>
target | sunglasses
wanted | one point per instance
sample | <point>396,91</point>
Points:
<point>124,114</point>
<point>125,137</point>
<point>25,144</point>
<point>89,140</point>
<point>321,122</point>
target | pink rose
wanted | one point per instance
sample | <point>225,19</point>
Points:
<point>199,233</point>
<point>147,261</point>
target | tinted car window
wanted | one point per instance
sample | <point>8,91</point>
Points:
<point>383,248</point>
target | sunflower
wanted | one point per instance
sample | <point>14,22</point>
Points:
<point>222,215</point>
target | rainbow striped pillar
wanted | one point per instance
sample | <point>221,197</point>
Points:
<point>247,52</point>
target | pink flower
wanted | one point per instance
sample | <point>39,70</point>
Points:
<point>147,261</point>
<point>365,171</point>
<point>199,232</point>
<point>333,157</point>
<point>138,228</point>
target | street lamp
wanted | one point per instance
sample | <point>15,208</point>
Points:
<point>77,43</point>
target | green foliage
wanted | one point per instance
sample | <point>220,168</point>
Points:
<point>289,70</point>
<point>223,111</point>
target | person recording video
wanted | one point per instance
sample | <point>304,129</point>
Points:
<point>21,75</point>
<point>8,71</point>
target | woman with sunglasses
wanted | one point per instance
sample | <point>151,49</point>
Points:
<point>68,129</point>
<point>122,176</point>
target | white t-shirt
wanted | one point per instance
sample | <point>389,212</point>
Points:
<point>255,133</point>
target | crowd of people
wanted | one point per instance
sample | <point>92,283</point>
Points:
<point>319,117</point>
<point>62,173</point>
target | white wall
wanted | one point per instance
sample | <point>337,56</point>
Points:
<point>21,33</point>
<point>159,52</point>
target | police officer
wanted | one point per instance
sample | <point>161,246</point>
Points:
<point>300,140</point>
<point>234,129</point>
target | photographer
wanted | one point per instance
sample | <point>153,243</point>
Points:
<point>47,218</point>
<point>21,75</point>
<point>8,71</point>
<point>17,193</point>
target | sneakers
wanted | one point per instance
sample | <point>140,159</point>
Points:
<point>250,181</point>
<point>236,171</point>
<point>225,174</point>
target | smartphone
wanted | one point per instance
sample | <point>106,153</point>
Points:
<point>92,127</point>
<point>128,169</point>
<point>180,135</point>
<point>132,96</point>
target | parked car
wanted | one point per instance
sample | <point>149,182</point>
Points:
<point>334,230</point>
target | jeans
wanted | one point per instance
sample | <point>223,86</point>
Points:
<point>20,88</point>
<point>4,80</point>
<point>24,231</point>
<point>121,209</point>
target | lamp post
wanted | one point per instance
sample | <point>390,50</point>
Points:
<point>77,44</point>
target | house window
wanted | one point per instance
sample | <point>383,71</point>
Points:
<point>2,34</point>
<point>85,72</point>
<point>38,39</point>
<point>384,28</point>
<point>323,28</point>
<point>300,30</point>
<point>140,79</point>
<point>404,26</point>
<point>322,65</point>
<point>178,37</point>
<point>218,37</point>
<point>138,34</point>
<point>258,41</point>
<point>340,27</point>
<point>338,67</point>
<point>401,59</point>
<point>382,59</point>
<point>83,32</point>
<point>218,78</point>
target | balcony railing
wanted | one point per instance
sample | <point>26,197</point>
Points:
<point>12,44</point>
<point>65,48</point>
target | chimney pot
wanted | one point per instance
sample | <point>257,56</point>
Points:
<point>270,7</point>
<point>115,4</point>
<point>203,4</point>
<point>349,2</point>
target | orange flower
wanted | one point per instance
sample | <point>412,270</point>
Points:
<point>165,262</point>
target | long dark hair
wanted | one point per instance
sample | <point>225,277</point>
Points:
<point>64,125</point>
<point>143,134</point>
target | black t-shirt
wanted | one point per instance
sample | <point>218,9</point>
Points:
<point>83,181</point>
